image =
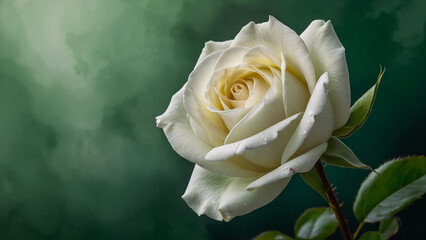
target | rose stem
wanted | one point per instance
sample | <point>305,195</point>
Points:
<point>334,204</point>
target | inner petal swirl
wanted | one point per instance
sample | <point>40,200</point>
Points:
<point>239,91</point>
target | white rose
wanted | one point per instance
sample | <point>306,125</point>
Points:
<point>255,111</point>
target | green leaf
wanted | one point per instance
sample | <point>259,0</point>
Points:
<point>272,235</point>
<point>373,235</point>
<point>313,179</point>
<point>339,154</point>
<point>389,227</point>
<point>360,110</point>
<point>316,223</point>
<point>396,185</point>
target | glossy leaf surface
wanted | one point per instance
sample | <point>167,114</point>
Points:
<point>396,184</point>
<point>316,223</point>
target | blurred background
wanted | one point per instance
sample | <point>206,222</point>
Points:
<point>81,82</point>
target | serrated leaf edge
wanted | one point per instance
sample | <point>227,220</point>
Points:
<point>378,171</point>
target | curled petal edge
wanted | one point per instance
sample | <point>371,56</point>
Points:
<point>223,198</point>
<point>227,151</point>
<point>302,163</point>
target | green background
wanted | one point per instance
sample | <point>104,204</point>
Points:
<point>82,80</point>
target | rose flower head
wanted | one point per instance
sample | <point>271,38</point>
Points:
<point>255,111</point>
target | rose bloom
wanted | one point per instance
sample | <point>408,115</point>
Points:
<point>255,111</point>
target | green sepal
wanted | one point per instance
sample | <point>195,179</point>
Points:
<point>316,223</point>
<point>273,235</point>
<point>313,179</point>
<point>338,154</point>
<point>372,235</point>
<point>389,227</point>
<point>394,186</point>
<point>360,110</point>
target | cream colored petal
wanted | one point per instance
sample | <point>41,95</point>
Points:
<point>263,55</point>
<point>198,130</point>
<point>211,47</point>
<point>317,104</point>
<point>302,163</point>
<point>269,155</point>
<point>227,68</point>
<point>279,38</point>
<point>224,101</point>
<point>231,57</point>
<point>213,89</point>
<point>237,201</point>
<point>264,71</point>
<point>263,149</point>
<point>321,130</point>
<point>178,131</point>
<point>265,114</point>
<point>328,55</point>
<point>220,197</point>
<point>195,101</point>
<point>233,116</point>
<point>260,87</point>
<point>237,104</point>
<point>258,79</point>
<point>296,95</point>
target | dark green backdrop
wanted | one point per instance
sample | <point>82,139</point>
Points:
<point>82,80</point>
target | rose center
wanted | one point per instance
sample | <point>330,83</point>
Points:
<point>239,92</point>
<point>242,86</point>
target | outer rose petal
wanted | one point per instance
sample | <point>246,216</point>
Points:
<point>263,149</point>
<point>328,55</point>
<point>280,39</point>
<point>317,122</point>
<point>211,47</point>
<point>220,197</point>
<point>302,163</point>
<point>195,103</point>
<point>178,131</point>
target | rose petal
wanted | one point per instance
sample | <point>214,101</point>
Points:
<point>260,87</point>
<point>231,57</point>
<point>265,114</point>
<point>269,155</point>
<point>321,130</point>
<point>328,55</point>
<point>195,102</point>
<point>232,116</point>
<point>268,73</point>
<point>178,131</point>
<point>279,38</point>
<point>301,163</point>
<point>220,197</point>
<point>296,95</point>
<point>263,149</point>
<point>211,47</point>
<point>261,54</point>
<point>317,106</point>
